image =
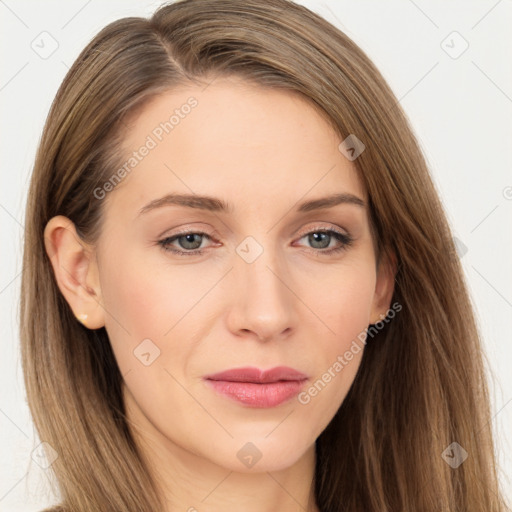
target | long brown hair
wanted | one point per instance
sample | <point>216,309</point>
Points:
<point>421,385</point>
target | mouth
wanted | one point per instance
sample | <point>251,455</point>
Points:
<point>258,388</point>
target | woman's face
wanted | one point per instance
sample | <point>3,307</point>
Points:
<point>255,283</point>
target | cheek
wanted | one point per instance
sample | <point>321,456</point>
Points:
<point>344,309</point>
<point>147,300</point>
<point>149,313</point>
<point>160,303</point>
<point>133,309</point>
<point>342,299</point>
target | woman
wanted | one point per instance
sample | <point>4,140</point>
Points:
<point>240,290</point>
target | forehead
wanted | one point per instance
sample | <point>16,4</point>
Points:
<point>232,138</point>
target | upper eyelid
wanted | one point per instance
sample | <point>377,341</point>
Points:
<point>213,234</point>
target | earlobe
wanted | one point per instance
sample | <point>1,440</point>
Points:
<point>384,287</point>
<point>76,272</point>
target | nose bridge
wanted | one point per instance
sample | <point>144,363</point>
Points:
<point>264,303</point>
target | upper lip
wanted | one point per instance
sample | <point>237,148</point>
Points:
<point>251,374</point>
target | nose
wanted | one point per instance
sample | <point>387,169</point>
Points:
<point>263,303</point>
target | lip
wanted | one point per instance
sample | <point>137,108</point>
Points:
<point>258,388</point>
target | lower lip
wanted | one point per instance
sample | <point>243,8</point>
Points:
<point>258,395</point>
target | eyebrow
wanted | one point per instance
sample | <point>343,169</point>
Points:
<point>214,204</point>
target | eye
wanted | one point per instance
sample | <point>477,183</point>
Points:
<point>321,239</point>
<point>190,241</point>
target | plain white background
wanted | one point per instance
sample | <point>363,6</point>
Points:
<point>450,66</point>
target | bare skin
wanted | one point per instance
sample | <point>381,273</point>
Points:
<point>264,152</point>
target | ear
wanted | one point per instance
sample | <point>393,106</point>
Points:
<point>76,271</point>
<point>384,286</point>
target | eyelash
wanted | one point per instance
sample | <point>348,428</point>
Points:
<point>346,242</point>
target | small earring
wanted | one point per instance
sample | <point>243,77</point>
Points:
<point>82,317</point>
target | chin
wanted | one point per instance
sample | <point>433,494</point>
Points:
<point>258,454</point>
